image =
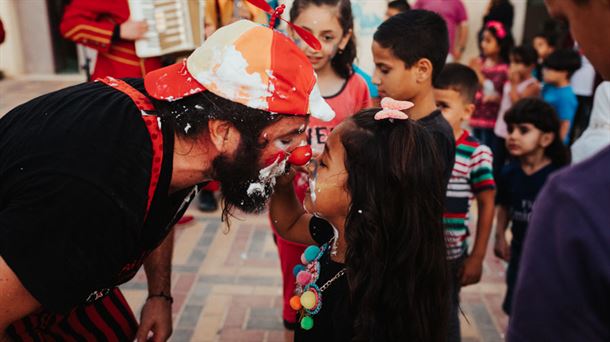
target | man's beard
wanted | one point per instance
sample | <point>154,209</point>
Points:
<point>243,184</point>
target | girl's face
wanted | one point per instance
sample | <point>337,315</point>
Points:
<point>542,47</point>
<point>517,66</point>
<point>489,45</point>
<point>328,196</point>
<point>323,23</point>
<point>525,139</point>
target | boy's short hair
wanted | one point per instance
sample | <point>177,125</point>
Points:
<point>460,78</point>
<point>399,5</point>
<point>414,35</point>
<point>524,54</point>
<point>563,60</point>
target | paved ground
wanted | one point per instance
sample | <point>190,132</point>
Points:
<point>226,283</point>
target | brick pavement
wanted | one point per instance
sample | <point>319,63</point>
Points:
<point>227,283</point>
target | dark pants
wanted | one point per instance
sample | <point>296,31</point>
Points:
<point>485,136</point>
<point>455,334</point>
<point>511,276</point>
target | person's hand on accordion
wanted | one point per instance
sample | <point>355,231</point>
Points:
<point>133,29</point>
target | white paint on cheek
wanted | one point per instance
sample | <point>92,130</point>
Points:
<point>282,146</point>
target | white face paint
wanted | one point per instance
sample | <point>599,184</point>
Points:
<point>267,176</point>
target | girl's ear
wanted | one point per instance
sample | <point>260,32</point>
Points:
<point>546,139</point>
<point>345,39</point>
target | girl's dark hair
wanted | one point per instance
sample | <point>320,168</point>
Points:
<point>505,43</point>
<point>343,60</point>
<point>396,255</point>
<point>524,54</point>
<point>399,5</point>
<point>542,115</point>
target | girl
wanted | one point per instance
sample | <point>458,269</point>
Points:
<point>332,22</point>
<point>521,84</point>
<point>492,70</point>
<point>380,270</point>
<point>533,140</point>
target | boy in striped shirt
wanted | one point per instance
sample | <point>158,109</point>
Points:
<point>472,177</point>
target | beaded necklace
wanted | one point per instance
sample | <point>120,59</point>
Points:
<point>307,300</point>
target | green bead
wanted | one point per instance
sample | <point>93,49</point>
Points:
<point>307,323</point>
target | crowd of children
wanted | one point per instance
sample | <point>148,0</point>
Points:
<point>383,270</point>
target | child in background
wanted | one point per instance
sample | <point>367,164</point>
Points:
<point>533,140</point>
<point>521,84</point>
<point>492,71</point>
<point>557,91</point>
<point>395,7</point>
<point>380,273</point>
<point>545,44</point>
<point>472,176</point>
<point>332,23</point>
<point>409,50</point>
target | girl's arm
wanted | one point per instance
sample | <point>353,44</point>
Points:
<point>288,217</point>
<point>501,247</point>
<point>533,90</point>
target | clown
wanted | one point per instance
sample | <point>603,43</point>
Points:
<point>94,176</point>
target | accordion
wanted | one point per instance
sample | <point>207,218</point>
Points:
<point>173,25</point>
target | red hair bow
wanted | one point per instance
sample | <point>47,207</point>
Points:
<point>498,26</point>
<point>277,14</point>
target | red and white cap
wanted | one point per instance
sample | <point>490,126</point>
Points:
<point>249,64</point>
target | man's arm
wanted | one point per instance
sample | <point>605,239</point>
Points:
<point>15,301</point>
<point>473,266</point>
<point>157,311</point>
<point>460,41</point>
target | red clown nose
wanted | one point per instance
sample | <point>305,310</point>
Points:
<point>300,155</point>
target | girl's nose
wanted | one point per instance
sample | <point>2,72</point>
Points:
<point>312,167</point>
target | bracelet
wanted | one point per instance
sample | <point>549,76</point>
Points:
<point>167,297</point>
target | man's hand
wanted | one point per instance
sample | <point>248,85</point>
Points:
<point>156,318</point>
<point>133,30</point>
<point>501,249</point>
<point>471,271</point>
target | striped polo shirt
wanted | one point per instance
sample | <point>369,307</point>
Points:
<point>472,173</point>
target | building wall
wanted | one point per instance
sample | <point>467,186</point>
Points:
<point>27,49</point>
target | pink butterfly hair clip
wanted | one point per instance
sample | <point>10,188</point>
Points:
<point>393,109</point>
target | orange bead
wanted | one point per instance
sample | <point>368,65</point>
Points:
<point>295,303</point>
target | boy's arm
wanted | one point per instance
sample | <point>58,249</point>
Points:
<point>288,217</point>
<point>564,129</point>
<point>473,266</point>
<point>501,246</point>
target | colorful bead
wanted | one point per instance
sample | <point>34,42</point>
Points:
<point>297,269</point>
<point>307,323</point>
<point>295,303</point>
<point>311,253</point>
<point>303,260</point>
<point>308,300</point>
<point>304,278</point>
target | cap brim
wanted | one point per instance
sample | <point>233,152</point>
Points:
<point>172,82</point>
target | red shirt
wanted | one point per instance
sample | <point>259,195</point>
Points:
<point>91,23</point>
<point>352,98</point>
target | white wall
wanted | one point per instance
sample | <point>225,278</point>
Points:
<point>11,52</point>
